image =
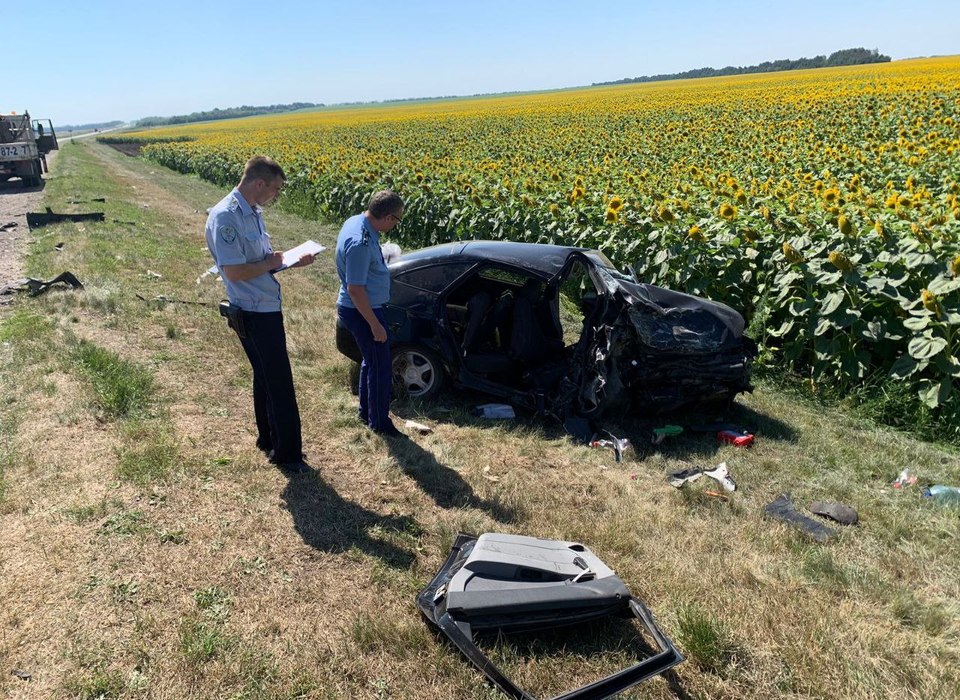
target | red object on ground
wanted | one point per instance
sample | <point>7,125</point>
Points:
<point>735,438</point>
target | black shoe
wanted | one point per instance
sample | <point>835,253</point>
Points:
<point>297,467</point>
<point>390,431</point>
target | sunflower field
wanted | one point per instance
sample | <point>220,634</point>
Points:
<point>824,204</point>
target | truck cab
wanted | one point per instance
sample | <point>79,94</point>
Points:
<point>24,145</point>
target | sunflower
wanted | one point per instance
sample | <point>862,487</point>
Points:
<point>728,212</point>
<point>843,223</point>
<point>791,253</point>
<point>955,266</point>
<point>666,215</point>
<point>831,195</point>
<point>840,261</point>
<point>611,216</point>
<point>616,204</point>
<point>931,303</point>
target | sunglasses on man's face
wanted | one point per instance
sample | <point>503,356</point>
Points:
<point>396,218</point>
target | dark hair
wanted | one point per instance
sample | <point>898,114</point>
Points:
<point>384,203</point>
<point>262,168</point>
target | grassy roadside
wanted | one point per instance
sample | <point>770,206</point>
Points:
<point>147,551</point>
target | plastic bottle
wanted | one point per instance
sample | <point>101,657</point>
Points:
<point>949,495</point>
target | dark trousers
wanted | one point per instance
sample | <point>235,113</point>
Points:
<point>376,370</point>
<point>274,400</point>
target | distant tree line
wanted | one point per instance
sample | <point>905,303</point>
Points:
<point>63,128</point>
<point>229,113</point>
<point>844,57</point>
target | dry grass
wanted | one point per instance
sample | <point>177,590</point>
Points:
<point>157,555</point>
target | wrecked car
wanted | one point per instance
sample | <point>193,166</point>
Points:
<point>557,330</point>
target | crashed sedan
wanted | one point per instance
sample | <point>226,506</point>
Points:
<point>557,330</point>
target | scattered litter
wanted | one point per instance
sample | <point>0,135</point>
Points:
<point>21,674</point>
<point>906,479</point>
<point>419,427</point>
<point>662,433</point>
<point>839,512</point>
<point>487,475</point>
<point>619,445</point>
<point>494,410</point>
<point>36,220</point>
<point>58,246</point>
<point>7,226</point>
<point>163,298</point>
<point>735,438</point>
<point>155,275</point>
<point>212,270</point>
<point>679,478</point>
<point>721,474</point>
<point>715,494</point>
<point>37,287</point>
<point>633,476</point>
<point>783,509</point>
<point>949,495</point>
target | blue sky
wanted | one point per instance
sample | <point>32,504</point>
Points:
<point>106,60</point>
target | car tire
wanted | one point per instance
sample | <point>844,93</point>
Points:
<point>417,373</point>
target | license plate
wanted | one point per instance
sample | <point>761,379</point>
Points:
<point>17,150</point>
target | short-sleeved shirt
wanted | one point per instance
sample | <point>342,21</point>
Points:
<point>360,261</point>
<point>236,234</point>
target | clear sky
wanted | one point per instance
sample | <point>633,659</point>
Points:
<point>103,60</point>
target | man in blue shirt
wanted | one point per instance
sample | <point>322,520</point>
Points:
<point>240,245</point>
<point>364,289</point>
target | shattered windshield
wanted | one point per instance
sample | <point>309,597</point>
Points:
<point>604,265</point>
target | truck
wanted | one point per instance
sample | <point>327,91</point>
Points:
<point>24,145</point>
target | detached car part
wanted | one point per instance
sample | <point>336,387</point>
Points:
<point>510,583</point>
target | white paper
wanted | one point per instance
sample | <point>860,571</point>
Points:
<point>292,256</point>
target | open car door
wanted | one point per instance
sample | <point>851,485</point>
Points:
<point>509,583</point>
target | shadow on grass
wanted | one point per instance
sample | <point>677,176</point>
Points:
<point>444,485</point>
<point>329,523</point>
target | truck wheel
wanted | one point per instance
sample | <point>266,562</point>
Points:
<point>37,173</point>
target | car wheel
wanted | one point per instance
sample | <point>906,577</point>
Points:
<point>416,372</point>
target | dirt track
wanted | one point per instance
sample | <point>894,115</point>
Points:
<point>15,201</point>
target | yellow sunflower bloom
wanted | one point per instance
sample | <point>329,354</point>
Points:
<point>728,212</point>
<point>791,253</point>
<point>931,303</point>
<point>840,261</point>
<point>843,223</point>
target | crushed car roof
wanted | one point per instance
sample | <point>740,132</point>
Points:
<point>541,257</point>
